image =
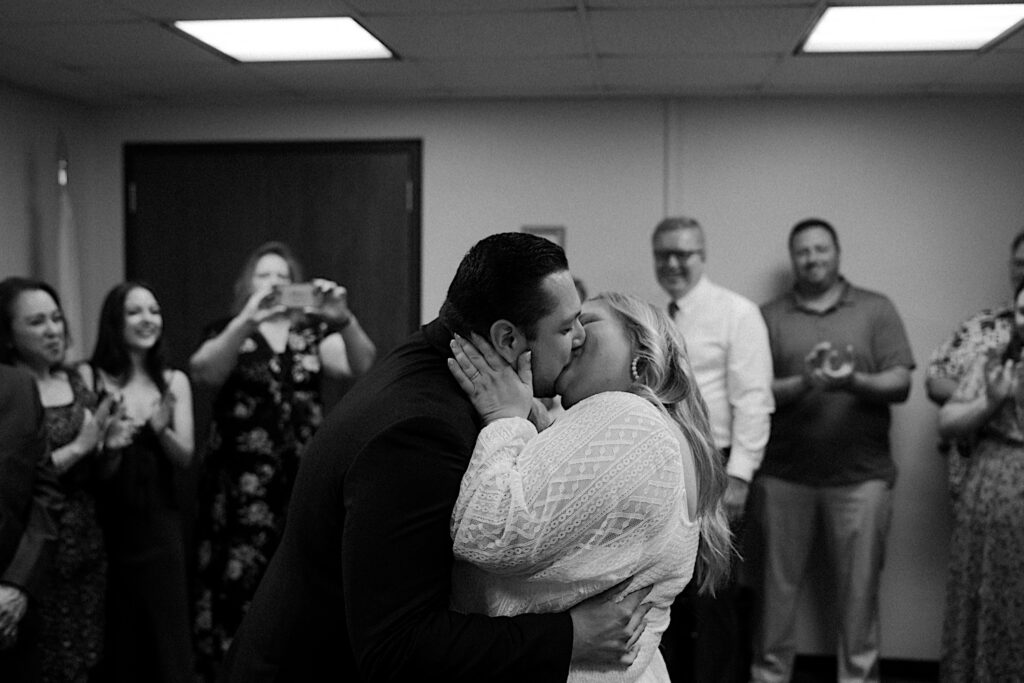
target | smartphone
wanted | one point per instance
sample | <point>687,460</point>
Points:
<point>299,295</point>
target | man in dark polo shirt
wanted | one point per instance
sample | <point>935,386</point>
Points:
<point>840,356</point>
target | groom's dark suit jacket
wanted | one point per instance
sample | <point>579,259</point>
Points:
<point>359,587</point>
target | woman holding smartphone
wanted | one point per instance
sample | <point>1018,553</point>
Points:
<point>267,360</point>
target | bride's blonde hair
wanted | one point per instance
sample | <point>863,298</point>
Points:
<point>662,375</point>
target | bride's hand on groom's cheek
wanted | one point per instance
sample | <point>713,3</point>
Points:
<point>496,388</point>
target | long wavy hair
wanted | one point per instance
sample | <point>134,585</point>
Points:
<point>665,379</point>
<point>111,352</point>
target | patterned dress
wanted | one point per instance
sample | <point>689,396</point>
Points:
<point>545,521</point>
<point>263,416</point>
<point>982,333</point>
<point>983,632</point>
<point>72,608</point>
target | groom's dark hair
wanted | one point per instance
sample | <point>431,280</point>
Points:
<point>500,278</point>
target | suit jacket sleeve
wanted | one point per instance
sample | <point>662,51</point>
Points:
<point>29,493</point>
<point>397,573</point>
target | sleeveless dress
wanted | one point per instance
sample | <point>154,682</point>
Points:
<point>148,632</point>
<point>72,608</point>
<point>544,521</point>
<point>263,417</point>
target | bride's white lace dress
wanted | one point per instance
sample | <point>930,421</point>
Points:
<point>546,520</point>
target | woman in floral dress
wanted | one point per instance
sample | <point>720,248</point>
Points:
<point>982,633</point>
<point>268,361</point>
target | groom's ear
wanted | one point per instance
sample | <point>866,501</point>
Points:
<point>507,340</point>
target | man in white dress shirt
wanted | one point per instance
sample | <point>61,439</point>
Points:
<point>727,341</point>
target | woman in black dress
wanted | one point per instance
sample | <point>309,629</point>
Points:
<point>148,622</point>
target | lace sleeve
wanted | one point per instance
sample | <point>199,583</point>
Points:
<point>585,499</point>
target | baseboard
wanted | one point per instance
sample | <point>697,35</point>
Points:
<point>913,669</point>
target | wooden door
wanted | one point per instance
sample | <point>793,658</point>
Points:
<point>349,210</point>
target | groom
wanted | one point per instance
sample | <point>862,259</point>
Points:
<point>359,587</point>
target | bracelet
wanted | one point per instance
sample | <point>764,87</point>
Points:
<point>339,327</point>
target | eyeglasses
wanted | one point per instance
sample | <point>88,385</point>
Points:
<point>681,255</point>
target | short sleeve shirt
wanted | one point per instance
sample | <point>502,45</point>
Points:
<point>834,438</point>
<point>982,333</point>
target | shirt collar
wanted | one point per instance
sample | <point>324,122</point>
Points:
<point>439,336</point>
<point>688,300</point>
<point>846,298</point>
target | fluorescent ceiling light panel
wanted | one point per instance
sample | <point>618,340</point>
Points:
<point>284,40</point>
<point>911,28</point>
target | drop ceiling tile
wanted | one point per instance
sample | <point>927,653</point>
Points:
<point>526,34</point>
<point>1014,41</point>
<point>675,4</point>
<point>330,80</point>
<point>682,75</point>
<point>488,74</point>
<point>170,10</point>
<point>994,70</point>
<point>61,11</point>
<point>750,31</point>
<point>383,7</point>
<point>856,74</point>
<point>198,83</point>
<point>28,72</point>
<point>107,44</point>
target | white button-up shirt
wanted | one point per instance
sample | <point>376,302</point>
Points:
<point>727,342</point>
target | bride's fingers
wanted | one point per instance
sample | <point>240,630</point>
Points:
<point>460,376</point>
<point>524,368</point>
<point>471,368</point>
<point>487,351</point>
<point>471,354</point>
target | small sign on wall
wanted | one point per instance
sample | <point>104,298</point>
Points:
<point>555,233</point>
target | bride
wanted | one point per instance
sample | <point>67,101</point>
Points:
<point>622,492</point>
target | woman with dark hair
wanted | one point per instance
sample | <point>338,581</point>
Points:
<point>981,639</point>
<point>148,636</point>
<point>267,360</point>
<point>33,336</point>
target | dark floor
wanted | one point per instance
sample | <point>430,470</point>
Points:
<point>821,669</point>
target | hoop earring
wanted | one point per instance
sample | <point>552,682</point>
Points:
<point>633,369</point>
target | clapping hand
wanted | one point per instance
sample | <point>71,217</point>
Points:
<point>13,604</point>
<point>94,426</point>
<point>828,368</point>
<point>120,431</point>
<point>1000,380</point>
<point>496,388</point>
<point>163,415</point>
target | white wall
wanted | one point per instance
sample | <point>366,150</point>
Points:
<point>30,127</point>
<point>925,193</point>
<point>926,196</point>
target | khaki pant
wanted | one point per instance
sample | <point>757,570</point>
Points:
<point>785,518</point>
